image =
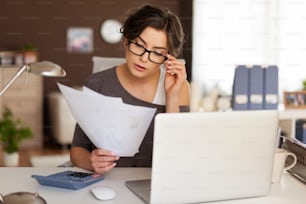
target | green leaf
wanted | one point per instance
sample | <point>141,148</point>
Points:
<point>12,131</point>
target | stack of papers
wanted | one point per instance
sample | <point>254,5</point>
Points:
<point>108,122</point>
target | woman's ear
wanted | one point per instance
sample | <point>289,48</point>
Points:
<point>125,42</point>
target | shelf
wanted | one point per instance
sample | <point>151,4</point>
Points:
<point>292,114</point>
<point>287,119</point>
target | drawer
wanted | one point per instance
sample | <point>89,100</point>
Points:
<point>31,83</point>
<point>22,91</point>
<point>33,121</point>
<point>23,104</point>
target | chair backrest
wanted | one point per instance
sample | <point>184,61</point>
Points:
<point>102,63</point>
<point>61,118</point>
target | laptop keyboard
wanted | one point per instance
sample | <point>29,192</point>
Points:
<point>299,171</point>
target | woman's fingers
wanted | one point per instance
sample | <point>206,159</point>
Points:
<point>102,152</point>
<point>103,160</point>
<point>104,169</point>
<point>174,66</point>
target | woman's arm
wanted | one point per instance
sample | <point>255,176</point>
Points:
<point>98,160</point>
<point>173,103</point>
<point>81,157</point>
<point>177,87</point>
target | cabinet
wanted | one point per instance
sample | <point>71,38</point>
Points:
<point>287,119</point>
<point>24,98</point>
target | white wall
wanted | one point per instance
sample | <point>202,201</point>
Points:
<point>231,32</point>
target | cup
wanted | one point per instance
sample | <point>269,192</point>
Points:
<point>280,165</point>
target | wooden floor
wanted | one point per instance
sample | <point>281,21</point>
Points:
<point>25,155</point>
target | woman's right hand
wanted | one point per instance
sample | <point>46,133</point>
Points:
<point>103,160</point>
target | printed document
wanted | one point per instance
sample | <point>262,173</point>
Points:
<point>108,122</point>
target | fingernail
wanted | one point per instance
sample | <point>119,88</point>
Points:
<point>112,153</point>
<point>96,175</point>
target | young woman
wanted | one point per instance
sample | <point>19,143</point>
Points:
<point>150,77</point>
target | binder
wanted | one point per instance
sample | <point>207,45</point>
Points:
<point>256,87</point>
<point>300,130</point>
<point>271,87</point>
<point>240,88</point>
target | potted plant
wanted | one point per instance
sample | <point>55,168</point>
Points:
<point>12,132</point>
<point>30,53</point>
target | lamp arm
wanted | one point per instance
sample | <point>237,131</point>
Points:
<point>18,73</point>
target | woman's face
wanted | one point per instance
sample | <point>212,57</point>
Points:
<point>152,40</point>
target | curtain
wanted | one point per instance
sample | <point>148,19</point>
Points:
<point>231,32</point>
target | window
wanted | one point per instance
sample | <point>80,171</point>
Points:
<point>231,32</point>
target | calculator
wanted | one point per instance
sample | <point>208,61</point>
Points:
<point>69,179</point>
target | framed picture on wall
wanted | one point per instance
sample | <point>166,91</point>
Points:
<point>79,40</point>
<point>295,99</point>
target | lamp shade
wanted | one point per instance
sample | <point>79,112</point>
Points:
<point>46,68</point>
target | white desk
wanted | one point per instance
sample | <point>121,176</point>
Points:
<point>289,191</point>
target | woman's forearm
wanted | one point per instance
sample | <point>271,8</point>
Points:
<point>172,105</point>
<point>173,102</point>
<point>80,157</point>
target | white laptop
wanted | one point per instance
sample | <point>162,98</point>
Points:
<point>201,157</point>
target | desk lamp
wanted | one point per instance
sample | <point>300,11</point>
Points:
<point>44,68</point>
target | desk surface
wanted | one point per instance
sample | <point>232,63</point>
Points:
<point>290,190</point>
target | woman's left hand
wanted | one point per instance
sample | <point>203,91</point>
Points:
<point>176,76</point>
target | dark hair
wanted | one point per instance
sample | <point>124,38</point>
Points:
<point>158,18</point>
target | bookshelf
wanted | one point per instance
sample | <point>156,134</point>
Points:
<point>287,119</point>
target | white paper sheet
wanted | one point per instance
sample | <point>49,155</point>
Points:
<point>107,121</point>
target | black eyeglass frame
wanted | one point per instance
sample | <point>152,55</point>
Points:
<point>146,50</point>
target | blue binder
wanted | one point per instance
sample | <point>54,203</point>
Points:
<point>240,88</point>
<point>256,87</point>
<point>271,87</point>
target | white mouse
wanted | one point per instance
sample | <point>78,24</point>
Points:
<point>103,192</point>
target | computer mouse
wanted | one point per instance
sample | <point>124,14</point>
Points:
<point>103,192</point>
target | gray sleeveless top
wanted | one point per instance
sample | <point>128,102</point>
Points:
<point>107,83</point>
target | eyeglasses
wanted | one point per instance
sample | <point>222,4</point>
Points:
<point>139,50</point>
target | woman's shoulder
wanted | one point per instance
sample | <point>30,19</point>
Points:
<point>104,73</point>
<point>101,77</point>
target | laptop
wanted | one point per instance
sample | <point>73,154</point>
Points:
<point>299,172</point>
<point>202,157</point>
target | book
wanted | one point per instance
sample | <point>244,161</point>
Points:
<point>300,130</point>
